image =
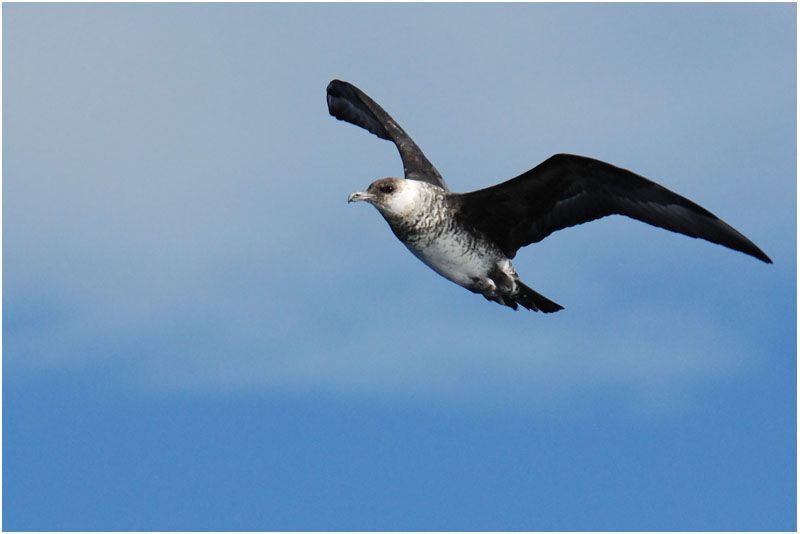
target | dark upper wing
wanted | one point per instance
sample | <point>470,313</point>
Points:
<point>567,190</point>
<point>348,103</point>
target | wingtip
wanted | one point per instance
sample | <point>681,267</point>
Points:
<point>331,92</point>
<point>336,86</point>
<point>757,253</point>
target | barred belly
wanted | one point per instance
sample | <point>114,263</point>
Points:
<point>458,256</point>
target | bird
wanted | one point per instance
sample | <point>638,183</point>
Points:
<point>471,238</point>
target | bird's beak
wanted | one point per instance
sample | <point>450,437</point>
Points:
<point>360,195</point>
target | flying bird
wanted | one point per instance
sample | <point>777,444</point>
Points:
<point>470,238</point>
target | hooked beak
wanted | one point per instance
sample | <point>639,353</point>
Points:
<point>360,195</point>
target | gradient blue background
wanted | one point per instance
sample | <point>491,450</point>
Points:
<point>199,332</point>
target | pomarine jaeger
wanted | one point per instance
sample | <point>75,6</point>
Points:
<point>470,238</point>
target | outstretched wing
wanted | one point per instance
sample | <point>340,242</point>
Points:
<point>566,190</point>
<point>348,103</point>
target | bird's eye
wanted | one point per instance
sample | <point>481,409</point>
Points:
<point>387,188</point>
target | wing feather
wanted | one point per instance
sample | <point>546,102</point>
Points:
<point>348,103</point>
<point>567,190</point>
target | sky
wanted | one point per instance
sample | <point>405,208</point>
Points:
<point>199,333</point>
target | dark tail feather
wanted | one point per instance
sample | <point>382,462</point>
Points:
<point>533,300</point>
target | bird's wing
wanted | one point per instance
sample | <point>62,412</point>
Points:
<point>348,103</point>
<point>566,190</point>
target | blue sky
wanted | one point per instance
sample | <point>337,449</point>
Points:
<point>199,333</point>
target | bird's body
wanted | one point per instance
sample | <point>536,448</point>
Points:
<point>425,218</point>
<point>470,238</point>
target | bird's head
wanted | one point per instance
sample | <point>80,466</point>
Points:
<point>391,196</point>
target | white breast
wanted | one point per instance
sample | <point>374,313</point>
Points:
<point>453,257</point>
<point>417,213</point>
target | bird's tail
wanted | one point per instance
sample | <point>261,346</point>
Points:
<point>532,300</point>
